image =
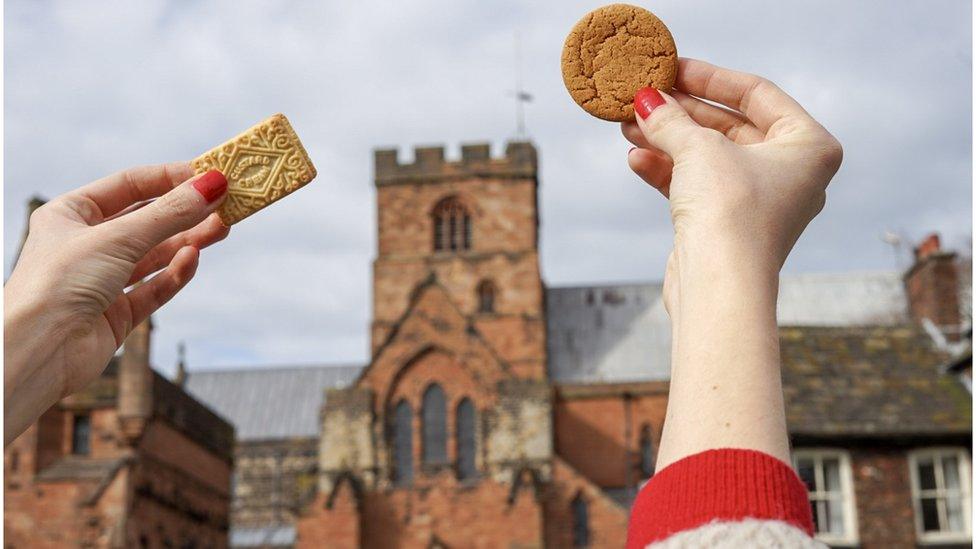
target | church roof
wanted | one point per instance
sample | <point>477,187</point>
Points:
<point>620,333</point>
<point>270,403</point>
<point>607,334</point>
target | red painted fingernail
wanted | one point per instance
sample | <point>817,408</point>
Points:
<point>211,185</point>
<point>646,100</point>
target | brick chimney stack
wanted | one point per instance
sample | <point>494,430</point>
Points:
<point>932,285</point>
<point>135,382</point>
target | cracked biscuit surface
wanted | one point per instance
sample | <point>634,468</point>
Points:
<point>611,53</point>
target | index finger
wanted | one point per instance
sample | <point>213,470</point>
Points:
<point>114,193</point>
<point>761,101</point>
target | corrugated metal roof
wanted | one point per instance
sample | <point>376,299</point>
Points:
<point>270,403</point>
<point>622,333</point>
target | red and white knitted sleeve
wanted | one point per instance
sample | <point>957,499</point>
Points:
<point>723,498</point>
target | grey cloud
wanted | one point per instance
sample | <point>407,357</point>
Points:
<point>94,87</point>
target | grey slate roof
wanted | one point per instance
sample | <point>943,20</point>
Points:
<point>622,333</point>
<point>270,403</point>
<point>874,381</point>
<point>842,299</point>
<point>607,333</point>
<point>267,537</point>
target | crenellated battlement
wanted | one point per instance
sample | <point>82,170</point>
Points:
<point>430,164</point>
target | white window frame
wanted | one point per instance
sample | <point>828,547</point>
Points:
<point>843,458</point>
<point>962,458</point>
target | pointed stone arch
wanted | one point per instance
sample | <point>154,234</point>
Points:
<point>345,480</point>
<point>525,478</point>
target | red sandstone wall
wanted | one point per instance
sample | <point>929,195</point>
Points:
<point>437,367</point>
<point>591,434</point>
<point>44,516</point>
<point>104,440</point>
<point>477,517</point>
<point>181,491</point>
<point>608,521</point>
<point>49,438</point>
<point>340,524</point>
<point>164,443</point>
<point>503,213</point>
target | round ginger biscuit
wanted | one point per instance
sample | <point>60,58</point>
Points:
<point>611,53</point>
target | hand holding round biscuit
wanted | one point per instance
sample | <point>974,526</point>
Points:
<point>66,312</point>
<point>752,172</point>
<point>743,180</point>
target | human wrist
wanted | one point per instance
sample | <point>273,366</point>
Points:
<point>35,326</point>
<point>707,263</point>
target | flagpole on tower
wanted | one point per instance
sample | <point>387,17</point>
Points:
<point>521,96</point>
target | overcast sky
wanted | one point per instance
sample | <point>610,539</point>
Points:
<point>92,87</point>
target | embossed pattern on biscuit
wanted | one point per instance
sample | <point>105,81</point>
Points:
<point>262,165</point>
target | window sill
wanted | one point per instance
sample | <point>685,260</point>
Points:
<point>945,539</point>
<point>435,468</point>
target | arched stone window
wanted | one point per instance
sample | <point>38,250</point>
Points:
<point>402,444</point>
<point>646,452</point>
<point>581,522</point>
<point>486,296</point>
<point>434,425</point>
<point>452,226</point>
<point>466,448</point>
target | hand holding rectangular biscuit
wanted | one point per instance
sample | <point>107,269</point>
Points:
<point>262,165</point>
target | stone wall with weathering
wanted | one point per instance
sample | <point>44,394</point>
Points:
<point>346,445</point>
<point>273,481</point>
<point>500,197</point>
<point>599,429</point>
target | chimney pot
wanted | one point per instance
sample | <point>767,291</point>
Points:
<point>931,245</point>
<point>932,287</point>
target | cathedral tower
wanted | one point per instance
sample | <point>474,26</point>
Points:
<point>471,225</point>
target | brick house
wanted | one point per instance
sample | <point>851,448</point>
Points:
<point>498,412</point>
<point>129,461</point>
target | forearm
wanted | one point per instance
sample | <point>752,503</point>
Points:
<point>725,380</point>
<point>32,380</point>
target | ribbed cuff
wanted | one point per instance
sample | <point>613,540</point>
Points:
<point>718,485</point>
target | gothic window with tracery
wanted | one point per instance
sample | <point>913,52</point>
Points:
<point>465,423</point>
<point>452,226</point>
<point>435,425</point>
<point>402,444</point>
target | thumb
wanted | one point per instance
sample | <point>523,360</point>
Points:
<point>663,121</point>
<point>183,207</point>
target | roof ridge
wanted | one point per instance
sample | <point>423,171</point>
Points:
<point>605,285</point>
<point>275,368</point>
<point>843,274</point>
<point>818,274</point>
